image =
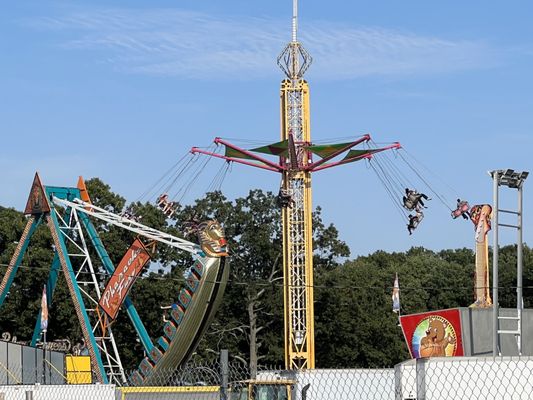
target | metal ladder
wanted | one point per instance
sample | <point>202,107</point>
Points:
<point>520,303</point>
<point>516,332</point>
<point>513,180</point>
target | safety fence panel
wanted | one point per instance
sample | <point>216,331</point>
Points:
<point>496,378</point>
<point>212,373</point>
<point>58,392</point>
<point>423,379</point>
<point>24,375</point>
<point>344,384</point>
<point>28,365</point>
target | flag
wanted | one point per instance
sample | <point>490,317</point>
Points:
<point>396,296</point>
<point>44,311</point>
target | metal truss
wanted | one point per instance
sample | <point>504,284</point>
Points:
<point>297,229</point>
<point>89,285</point>
<point>133,226</point>
<point>297,259</point>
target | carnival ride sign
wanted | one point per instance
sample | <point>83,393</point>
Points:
<point>37,202</point>
<point>433,334</point>
<point>123,278</point>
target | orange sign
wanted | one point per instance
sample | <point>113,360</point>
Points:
<point>123,278</point>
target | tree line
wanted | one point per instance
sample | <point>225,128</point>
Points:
<point>354,322</point>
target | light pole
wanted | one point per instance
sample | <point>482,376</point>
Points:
<point>513,180</point>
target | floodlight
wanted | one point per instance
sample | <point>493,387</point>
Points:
<point>508,172</point>
<point>512,179</point>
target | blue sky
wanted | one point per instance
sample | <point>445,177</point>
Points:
<point>121,90</point>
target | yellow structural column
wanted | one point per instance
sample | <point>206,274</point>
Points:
<point>297,228</point>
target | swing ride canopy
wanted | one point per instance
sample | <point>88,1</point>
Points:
<point>330,155</point>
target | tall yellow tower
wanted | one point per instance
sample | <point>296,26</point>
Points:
<point>297,222</point>
<point>295,164</point>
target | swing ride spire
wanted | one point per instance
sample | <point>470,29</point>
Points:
<point>295,164</point>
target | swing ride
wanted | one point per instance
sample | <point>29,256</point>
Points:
<point>66,211</point>
<point>295,163</point>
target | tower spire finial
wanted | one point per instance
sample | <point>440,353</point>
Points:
<point>294,20</point>
<point>294,59</point>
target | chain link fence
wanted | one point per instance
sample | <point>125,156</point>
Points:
<point>465,378</point>
<point>195,373</point>
<point>422,379</point>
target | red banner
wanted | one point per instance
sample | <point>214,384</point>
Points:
<point>123,278</point>
<point>433,334</point>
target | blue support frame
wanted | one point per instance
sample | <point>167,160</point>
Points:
<point>64,193</point>
<point>50,287</point>
<point>70,194</point>
<point>70,275</point>
<point>20,256</point>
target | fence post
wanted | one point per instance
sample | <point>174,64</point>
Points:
<point>421,378</point>
<point>224,374</point>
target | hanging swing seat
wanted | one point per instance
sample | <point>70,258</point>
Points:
<point>462,208</point>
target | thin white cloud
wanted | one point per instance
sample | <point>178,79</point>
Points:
<point>193,45</point>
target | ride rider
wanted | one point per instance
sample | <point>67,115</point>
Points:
<point>168,207</point>
<point>461,210</point>
<point>129,213</point>
<point>413,200</point>
<point>284,198</point>
<point>414,220</point>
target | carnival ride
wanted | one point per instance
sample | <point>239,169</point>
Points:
<point>394,180</point>
<point>297,158</point>
<point>66,211</point>
<point>295,163</point>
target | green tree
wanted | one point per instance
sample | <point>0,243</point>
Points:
<point>354,324</point>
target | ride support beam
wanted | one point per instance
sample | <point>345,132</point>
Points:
<point>128,224</point>
<point>50,287</point>
<point>81,312</point>
<point>196,150</point>
<point>18,255</point>
<point>313,166</point>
